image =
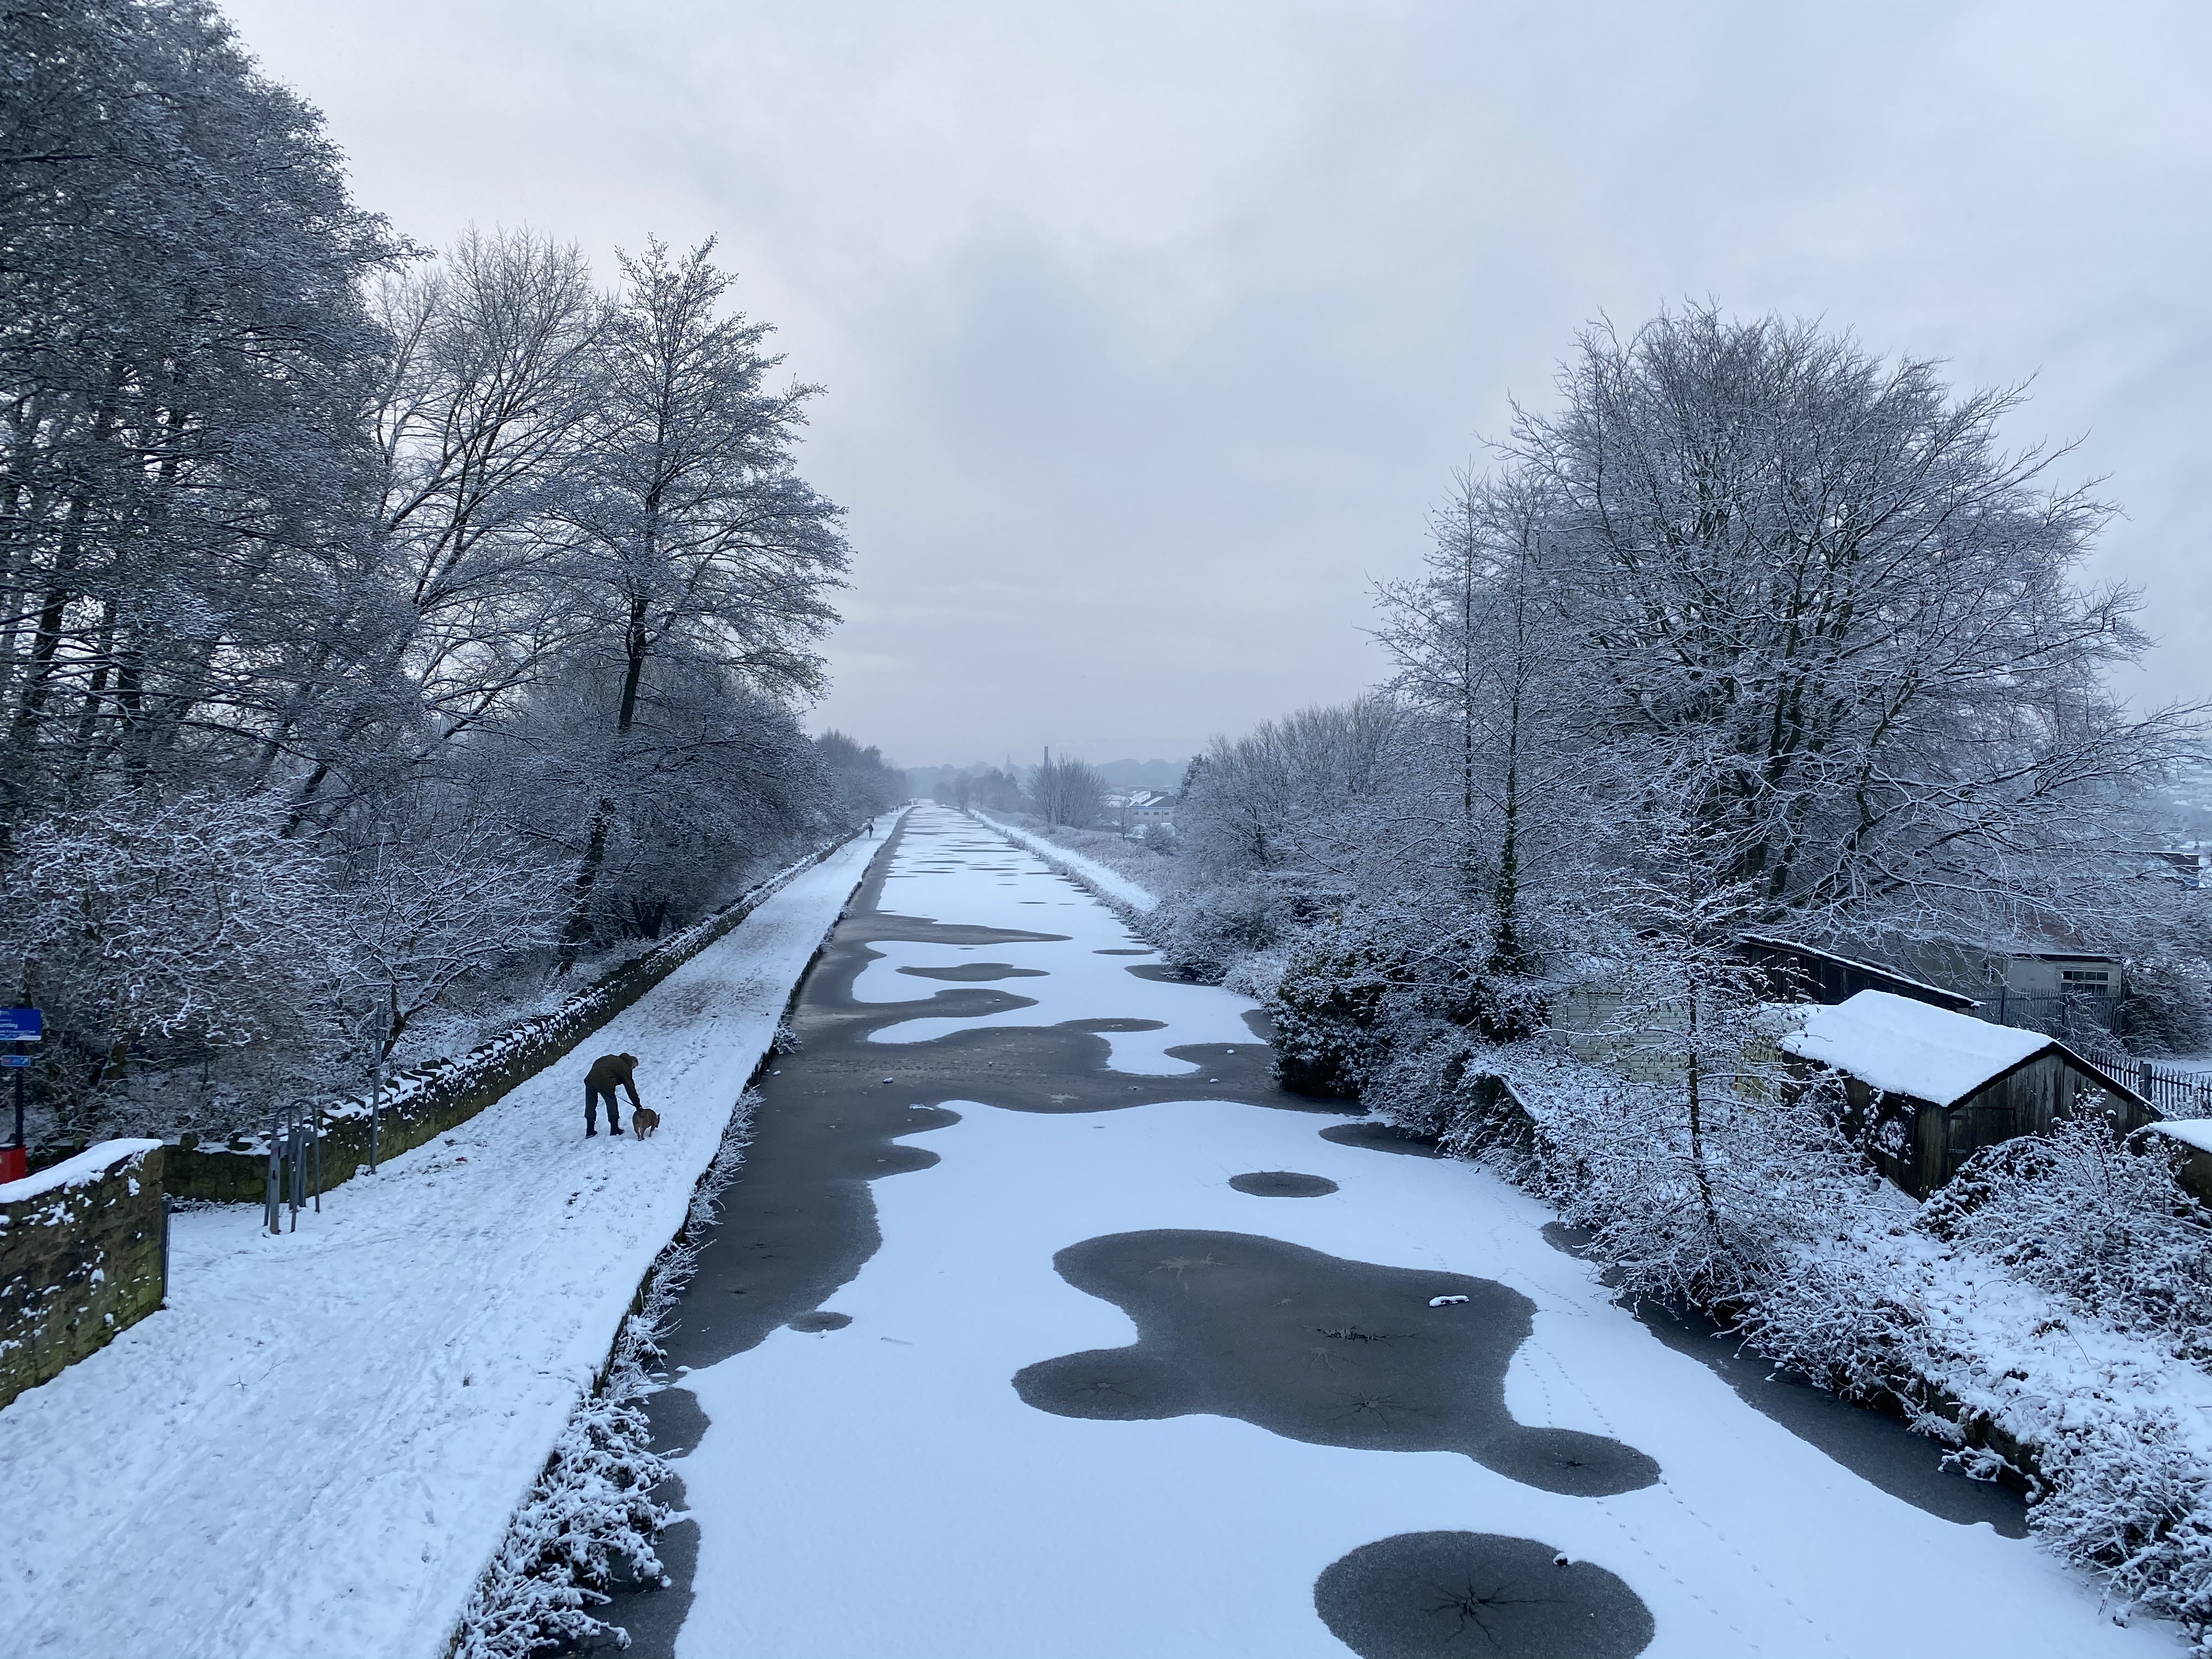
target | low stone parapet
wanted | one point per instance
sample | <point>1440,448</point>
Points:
<point>83,1254</point>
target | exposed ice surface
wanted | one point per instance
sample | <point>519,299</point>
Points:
<point>1017,892</point>
<point>883,1490</point>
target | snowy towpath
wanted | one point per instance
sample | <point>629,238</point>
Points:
<point>1090,1378</point>
<point>317,1446</point>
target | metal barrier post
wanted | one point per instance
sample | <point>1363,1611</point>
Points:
<point>297,1151</point>
<point>275,1197</point>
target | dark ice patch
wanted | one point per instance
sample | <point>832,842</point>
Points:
<point>1319,1349</point>
<point>1139,950</point>
<point>820,1320</point>
<point>972,972</point>
<point>1424,1594</point>
<point>1380,1137</point>
<point>1282,1183</point>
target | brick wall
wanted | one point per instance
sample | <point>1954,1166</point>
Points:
<point>82,1256</point>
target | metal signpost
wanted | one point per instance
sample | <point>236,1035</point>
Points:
<point>18,1025</point>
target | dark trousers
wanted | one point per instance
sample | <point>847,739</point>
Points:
<point>592,1095</point>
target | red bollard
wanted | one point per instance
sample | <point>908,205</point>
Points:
<point>15,1162</point>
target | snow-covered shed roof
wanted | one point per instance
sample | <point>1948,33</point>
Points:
<point>2195,1132</point>
<point>1902,1047</point>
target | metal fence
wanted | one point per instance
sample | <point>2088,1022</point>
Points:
<point>2174,1092</point>
<point>2062,1014</point>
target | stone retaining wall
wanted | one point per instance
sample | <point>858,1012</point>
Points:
<point>425,1103</point>
<point>83,1253</point>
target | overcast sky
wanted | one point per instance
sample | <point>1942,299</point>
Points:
<point>1151,333</point>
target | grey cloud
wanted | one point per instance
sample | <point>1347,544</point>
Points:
<point>1151,332</point>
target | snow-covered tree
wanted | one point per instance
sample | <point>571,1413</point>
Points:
<point>198,920</point>
<point>1499,732</point>
<point>698,542</point>
<point>1067,791</point>
<point>425,913</point>
<point>1821,571</point>
<point>290,509</point>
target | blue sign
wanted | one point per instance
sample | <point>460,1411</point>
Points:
<point>21,1024</point>
<point>14,1060</point>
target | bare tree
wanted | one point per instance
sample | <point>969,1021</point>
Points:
<point>698,541</point>
<point>1067,791</point>
<point>477,419</point>
<point>1485,665</point>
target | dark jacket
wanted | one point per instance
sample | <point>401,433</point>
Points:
<point>609,1071</point>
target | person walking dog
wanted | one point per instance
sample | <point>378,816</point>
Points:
<point>609,1073</point>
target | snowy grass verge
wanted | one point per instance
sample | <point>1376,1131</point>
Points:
<point>1125,897</point>
<point>592,1512</point>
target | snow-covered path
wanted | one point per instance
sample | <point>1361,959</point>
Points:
<point>317,1446</point>
<point>872,1479</point>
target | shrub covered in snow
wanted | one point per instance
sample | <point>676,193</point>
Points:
<point>2044,1316</point>
<point>1330,1009</point>
<point>1207,931</point>
<point>2101,1223</point>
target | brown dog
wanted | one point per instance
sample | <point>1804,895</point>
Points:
<point>643,1121</point>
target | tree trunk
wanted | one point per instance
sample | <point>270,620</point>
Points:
<point>1697,1169</point>
<point>578,932</point>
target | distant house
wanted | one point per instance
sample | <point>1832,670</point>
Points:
<point>2186,864</point>
<point>1134,807</point>
<point>1929,1087</point>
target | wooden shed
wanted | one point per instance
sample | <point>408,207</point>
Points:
<point>2194,1133</point>
<point>1929,1087</point>
<point>1795,972</point>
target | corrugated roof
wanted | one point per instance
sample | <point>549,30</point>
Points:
<point>1903,1047</point>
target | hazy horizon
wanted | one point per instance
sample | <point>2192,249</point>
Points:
<point>1151,334</point>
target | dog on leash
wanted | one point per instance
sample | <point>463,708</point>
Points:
<point>643,1121</point>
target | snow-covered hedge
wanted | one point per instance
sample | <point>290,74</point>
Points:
<point>2045,1316</point>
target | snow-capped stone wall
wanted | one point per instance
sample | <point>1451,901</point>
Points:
<point>82,1256</point>
<point>424,1104</point>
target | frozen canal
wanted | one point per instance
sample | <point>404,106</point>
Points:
<point>1132,1357</point>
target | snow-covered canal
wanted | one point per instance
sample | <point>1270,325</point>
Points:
<point>1132,1357</point>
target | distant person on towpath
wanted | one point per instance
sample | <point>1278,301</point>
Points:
<point>872,827</point>
<point>609,1073</point>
